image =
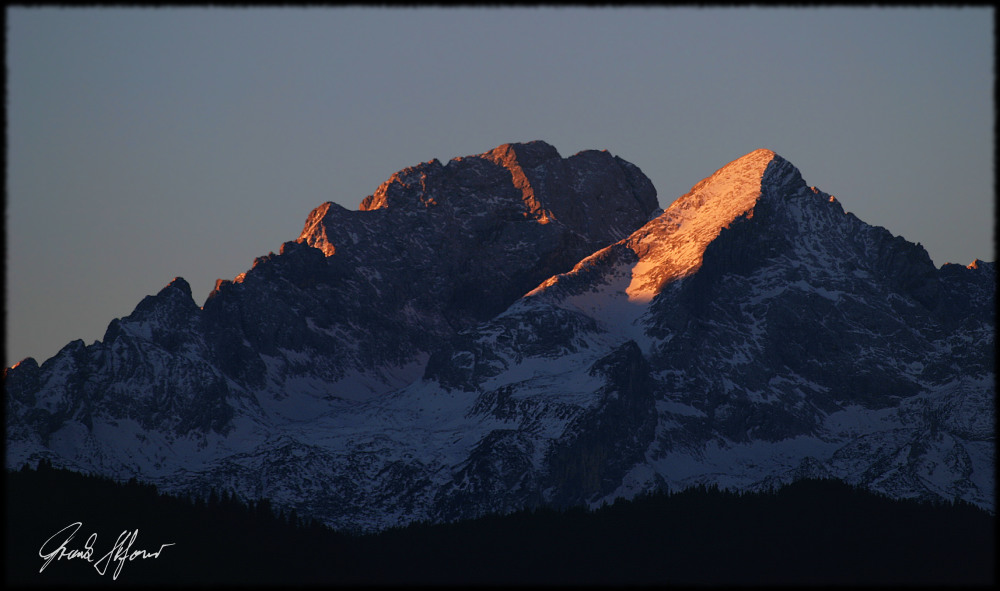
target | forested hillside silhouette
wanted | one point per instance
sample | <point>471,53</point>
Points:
<point>812,531</point>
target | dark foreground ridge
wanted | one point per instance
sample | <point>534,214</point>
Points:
<point>809,532</point>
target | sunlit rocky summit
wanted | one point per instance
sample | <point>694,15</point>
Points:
<point>515,328</point>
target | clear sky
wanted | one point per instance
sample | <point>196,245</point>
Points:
<point>144,144</point>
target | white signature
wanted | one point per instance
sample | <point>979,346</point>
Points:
<point>121,552</point>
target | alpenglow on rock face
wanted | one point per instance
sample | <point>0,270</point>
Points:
<point>508,330</point>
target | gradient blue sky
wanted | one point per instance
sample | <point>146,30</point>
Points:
<point>144,144</point>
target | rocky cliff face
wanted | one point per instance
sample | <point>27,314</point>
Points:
<point>783,337</point>
<point>353,307</point>
<point>508,330</point>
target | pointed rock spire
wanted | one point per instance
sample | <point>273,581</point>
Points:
<point>672,245</point>
<point>181,285</point>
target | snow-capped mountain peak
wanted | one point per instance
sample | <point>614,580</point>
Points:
<point>394,363</point>
<point>671,246</point>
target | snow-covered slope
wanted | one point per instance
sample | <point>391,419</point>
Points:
<point>783,336</point>
<point>437,355</point>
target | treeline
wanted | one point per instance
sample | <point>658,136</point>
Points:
<point>810,532</point>
<point>218,540</point>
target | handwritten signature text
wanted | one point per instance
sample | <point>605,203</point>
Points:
<point>58,548</point>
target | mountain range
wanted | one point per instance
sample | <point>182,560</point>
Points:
<point>516,329</point>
